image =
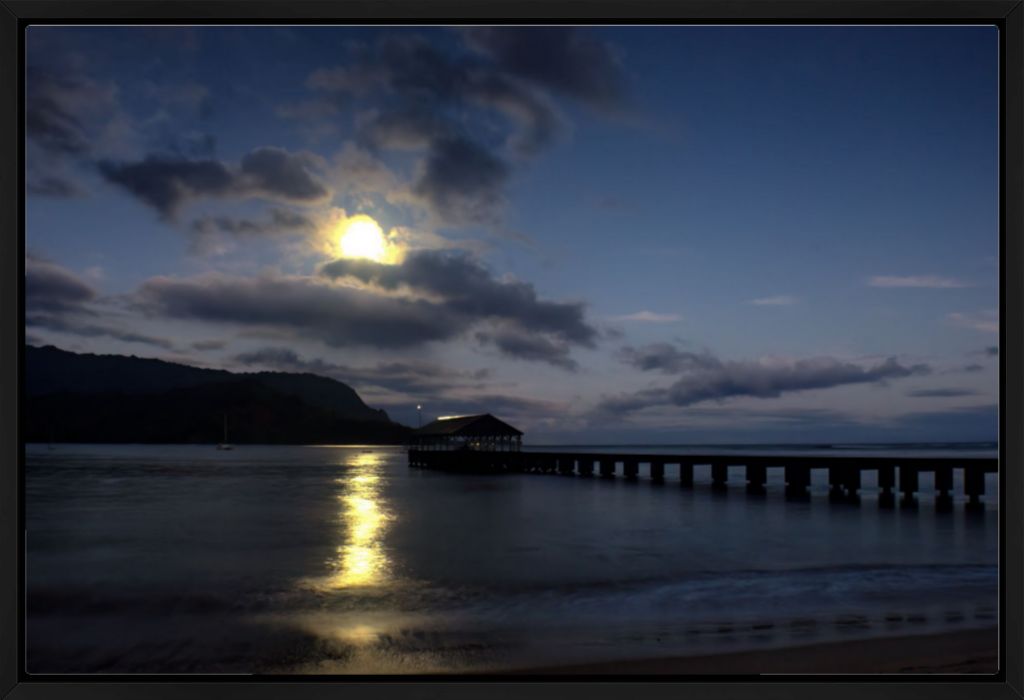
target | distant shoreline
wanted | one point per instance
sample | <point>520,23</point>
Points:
<point>960,652</point>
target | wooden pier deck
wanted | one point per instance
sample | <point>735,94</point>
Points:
<point>895,475</point>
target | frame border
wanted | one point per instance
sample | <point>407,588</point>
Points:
<point>1008,15</point>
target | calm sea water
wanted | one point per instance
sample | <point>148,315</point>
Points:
<point>175,559</point>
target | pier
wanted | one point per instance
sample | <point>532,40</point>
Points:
<point>897,477</point>
<point>483,444</point>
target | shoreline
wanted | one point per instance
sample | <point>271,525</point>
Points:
<point>973,651</point>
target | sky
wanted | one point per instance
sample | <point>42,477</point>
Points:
<point>600,234</point>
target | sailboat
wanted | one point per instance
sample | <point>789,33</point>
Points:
<point>225,445</point>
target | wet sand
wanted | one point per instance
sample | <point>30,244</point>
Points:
<point>966,651</point>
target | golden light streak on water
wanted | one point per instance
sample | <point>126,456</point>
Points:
<point>362,559</point>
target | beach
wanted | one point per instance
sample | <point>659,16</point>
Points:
<point>968,651</point>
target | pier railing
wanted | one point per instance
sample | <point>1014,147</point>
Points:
<point>895,475</point>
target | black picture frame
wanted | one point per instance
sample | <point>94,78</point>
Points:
<point>1007,15</point>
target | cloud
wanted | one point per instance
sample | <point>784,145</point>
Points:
<point>53,288</point>
<point>87,329</point>
<point>985,321</point>
<point>666,358</point>
<point>705,377</point>
<point>439,101</point>
<point>206,345</point>
<point>303,306</point>
<point>570,61</point>
<point>53,185</point>
<point>464,286</point>
<point>430,296</point>
<point>408,377</point>
<point>940,393</point>
<point>992,351</point>
<point>780,300</point>
<point>916,281</point>
<point>215,235</point>
<point>648,317</point>
<point>972,368</point>
<point>532,347</point>
<point>167,183</point>
<point>57,105</point>
<point>68,118</point>
<point>57,299</point>
<point>462,181</point>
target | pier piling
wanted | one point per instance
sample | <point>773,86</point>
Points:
<point>798,479</point>
<point>943,488</point>
<point>586,465</point>
<point>886,484</point>
<point>908,485</point>
<point>631,469</point>
<point>658,472</point>
<point>757,476</point>
<point>974,487</point>
<point>844,473</point>
<point>686,474</point>
<point>719,476</point>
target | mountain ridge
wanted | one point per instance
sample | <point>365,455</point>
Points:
<point>87,397</point>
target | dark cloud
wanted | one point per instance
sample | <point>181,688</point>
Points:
<point>52,185</point>
<point>940,393</point>
<point>519,410</point>
<point>307,308</point>
<point>54,105</point>
<point>992,350</point>
<point>421,379</point>
<point>409,127</point>
<point>64,111</point>
<point>666,358</point>
<point>462,181</point>
<point>466,287</point>
<point>973,368</point>
<point>705,377</point>
<point>73,326</point>
<point>531,347</point>
<point>451,294</point>
<point>571,61</point>
<point>205,345</point>
<point>441,103</point>
<point>215,234</point>
<point>166,183</point>
<point>57,299</point>
<point>52,288</point>
<point>276,173</point>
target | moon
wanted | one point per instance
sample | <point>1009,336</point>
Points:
<point>363,237</point>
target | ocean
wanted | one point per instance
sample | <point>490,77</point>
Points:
<point>327,560</point>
